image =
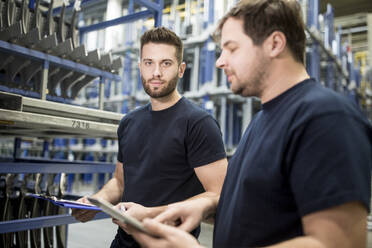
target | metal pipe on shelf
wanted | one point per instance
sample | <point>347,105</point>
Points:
<point>247,113</point>
<point>44,80</point>
<point>222,117</point>
<point>195,70</point>
<point>101,93</point>
<point>31,105</point>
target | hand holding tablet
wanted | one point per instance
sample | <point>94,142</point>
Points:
<point>117,214</point>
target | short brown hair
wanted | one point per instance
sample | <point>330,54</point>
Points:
<point>165,36</point>
<point>262,17</point>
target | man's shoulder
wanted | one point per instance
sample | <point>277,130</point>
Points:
<point>318,101</point>
<point>192,111</point>
<point>137,111</point>
<point>324,100</point>
<point>135,114</point>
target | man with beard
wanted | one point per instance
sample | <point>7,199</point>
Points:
<point>169,150</point>
<point>301,176</point>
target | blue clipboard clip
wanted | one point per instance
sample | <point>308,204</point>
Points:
<point>66,203</point>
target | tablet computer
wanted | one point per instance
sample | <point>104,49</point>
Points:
<point>109,209</point>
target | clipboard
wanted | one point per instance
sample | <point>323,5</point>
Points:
<point>66,203</point>
<point>109,209</point>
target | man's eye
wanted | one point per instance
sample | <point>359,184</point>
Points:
<point>232,49</point>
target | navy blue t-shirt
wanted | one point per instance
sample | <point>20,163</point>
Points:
<point>160,149</point>
<point>307,150</point>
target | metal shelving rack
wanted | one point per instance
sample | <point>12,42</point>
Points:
<point>28,116</point>
<point>329,59</point>
<point>204,84</point>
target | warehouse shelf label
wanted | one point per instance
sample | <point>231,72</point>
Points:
<point>80,124</point>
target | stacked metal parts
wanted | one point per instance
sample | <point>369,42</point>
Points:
<point>16,203</point>
<point>45,133</point>
<point>26,221</point>
<point>42,31</point>
<point>43,67</point>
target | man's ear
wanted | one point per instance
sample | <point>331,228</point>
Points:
<point>275,44</point>
<point>181,69</point>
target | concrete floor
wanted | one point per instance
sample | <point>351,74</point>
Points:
<point>100,233</point>
<point>94,234</point>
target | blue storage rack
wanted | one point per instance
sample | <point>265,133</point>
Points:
<point>340,72</point>
<point>16,165</point>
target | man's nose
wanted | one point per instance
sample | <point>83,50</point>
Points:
<point>157,71</point>
<point>220,62</point>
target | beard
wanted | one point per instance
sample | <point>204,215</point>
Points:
<point>253,85</point>
<point>170,86</point>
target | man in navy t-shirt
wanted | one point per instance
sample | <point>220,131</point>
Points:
<point>301,174</point>
<point>169,150</point>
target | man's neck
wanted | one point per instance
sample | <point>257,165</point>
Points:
<point>158,104</point>
<point>283,76</point>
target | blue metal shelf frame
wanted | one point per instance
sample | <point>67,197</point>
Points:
<point>117,21</point>
<point>157,8</point>
<point>340,72</point>
<point>31,4</point>
<point>150,5</point>
<point>328,39</point>
<point>40,222</point>
<point>210,52</point>
<point>71,65</point>
<point>47,166</point>
<point>47,58</point>
<point>314,55</point>
<point>154,9</point>
<point>37,167</point>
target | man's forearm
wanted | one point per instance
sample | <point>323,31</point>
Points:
<point>300,242</point>
<point>208,202</point>
<point>112,191</point>
<point>155,211</point>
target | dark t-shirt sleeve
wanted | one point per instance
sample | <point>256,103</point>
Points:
<point>204,142</point>
<point>119,133</point>
<point>330,166</point>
